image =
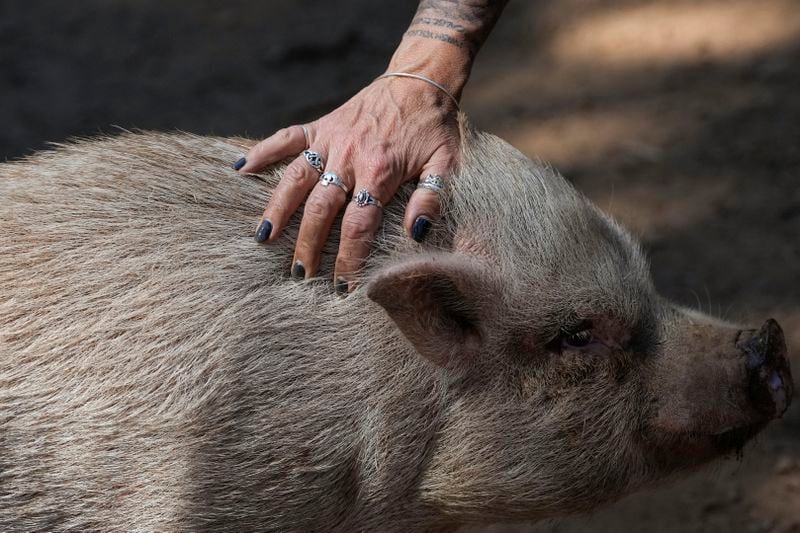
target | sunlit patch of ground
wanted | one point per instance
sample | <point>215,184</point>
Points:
<point>628,77</point>
<point>669,33</point>
<point>645,213</point>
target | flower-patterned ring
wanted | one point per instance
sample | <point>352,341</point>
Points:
<point>314,159</point>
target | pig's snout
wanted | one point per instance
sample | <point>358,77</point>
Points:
<point>769,375</point>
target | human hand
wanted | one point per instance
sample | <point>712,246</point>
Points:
<point>394,130</point>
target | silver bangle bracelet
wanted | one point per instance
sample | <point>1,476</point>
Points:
<point>423,78</point>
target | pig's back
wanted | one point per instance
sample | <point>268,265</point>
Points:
<point>115,250</point>
<point>147,343</point>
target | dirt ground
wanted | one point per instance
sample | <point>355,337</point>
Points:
<point>679,117</point>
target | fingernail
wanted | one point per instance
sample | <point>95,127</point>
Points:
<point>263,231</point>
<point>341,286</point>
<point>240,163</point>
<point>420,228</point>
<point>298,270</point>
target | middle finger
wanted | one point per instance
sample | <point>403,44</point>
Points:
<point>322,206</point>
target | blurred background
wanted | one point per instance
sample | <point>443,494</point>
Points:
<point>679,117</point>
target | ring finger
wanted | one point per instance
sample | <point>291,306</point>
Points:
<point>360,223</point>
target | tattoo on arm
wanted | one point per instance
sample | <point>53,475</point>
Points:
<point>442,23</point>
<point>439,37</point>
<point>462,23</point>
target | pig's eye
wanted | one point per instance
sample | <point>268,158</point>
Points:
<point>577,335</point>
<point>578,338</point>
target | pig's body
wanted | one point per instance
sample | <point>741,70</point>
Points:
<point>159,369</point>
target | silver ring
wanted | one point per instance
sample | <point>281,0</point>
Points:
<point>433,182</point>
<point>329,178</point>
<point>305,135</point>
<point>364,198</point>
<point>314,159</point>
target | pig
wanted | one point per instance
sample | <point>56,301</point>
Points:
<point>159,370</point>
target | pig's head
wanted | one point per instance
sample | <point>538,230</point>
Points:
<point>571,382</point>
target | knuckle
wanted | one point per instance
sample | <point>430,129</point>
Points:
<point>258,149</point>
<point>346,151</point>
<point>378,166</point>
<point>277,208</point>
<point>357,228</point>
<point>425,201</point>
<point>283,135</point>
<point>445,157</point>
<point>294,176</point>
<point>319,207</point>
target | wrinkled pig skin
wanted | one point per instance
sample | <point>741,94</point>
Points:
<point>161,370</point>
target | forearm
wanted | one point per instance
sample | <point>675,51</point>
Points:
<point>444,37</point>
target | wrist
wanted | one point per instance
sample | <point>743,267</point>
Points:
<point>443,63</point>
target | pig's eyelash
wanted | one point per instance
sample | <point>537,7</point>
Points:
<point>575,329</point>
<point>576,325</point>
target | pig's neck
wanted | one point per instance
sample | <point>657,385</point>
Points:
<point>397,410</point>
<point>345,407</point>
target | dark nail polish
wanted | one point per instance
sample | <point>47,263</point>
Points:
<point>263,231</point>
<point>420,229</point>
<point>240,163</point>
<point>341,286</point>
<point>298,270</point>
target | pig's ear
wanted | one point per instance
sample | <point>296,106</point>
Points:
<point>436,301</point>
